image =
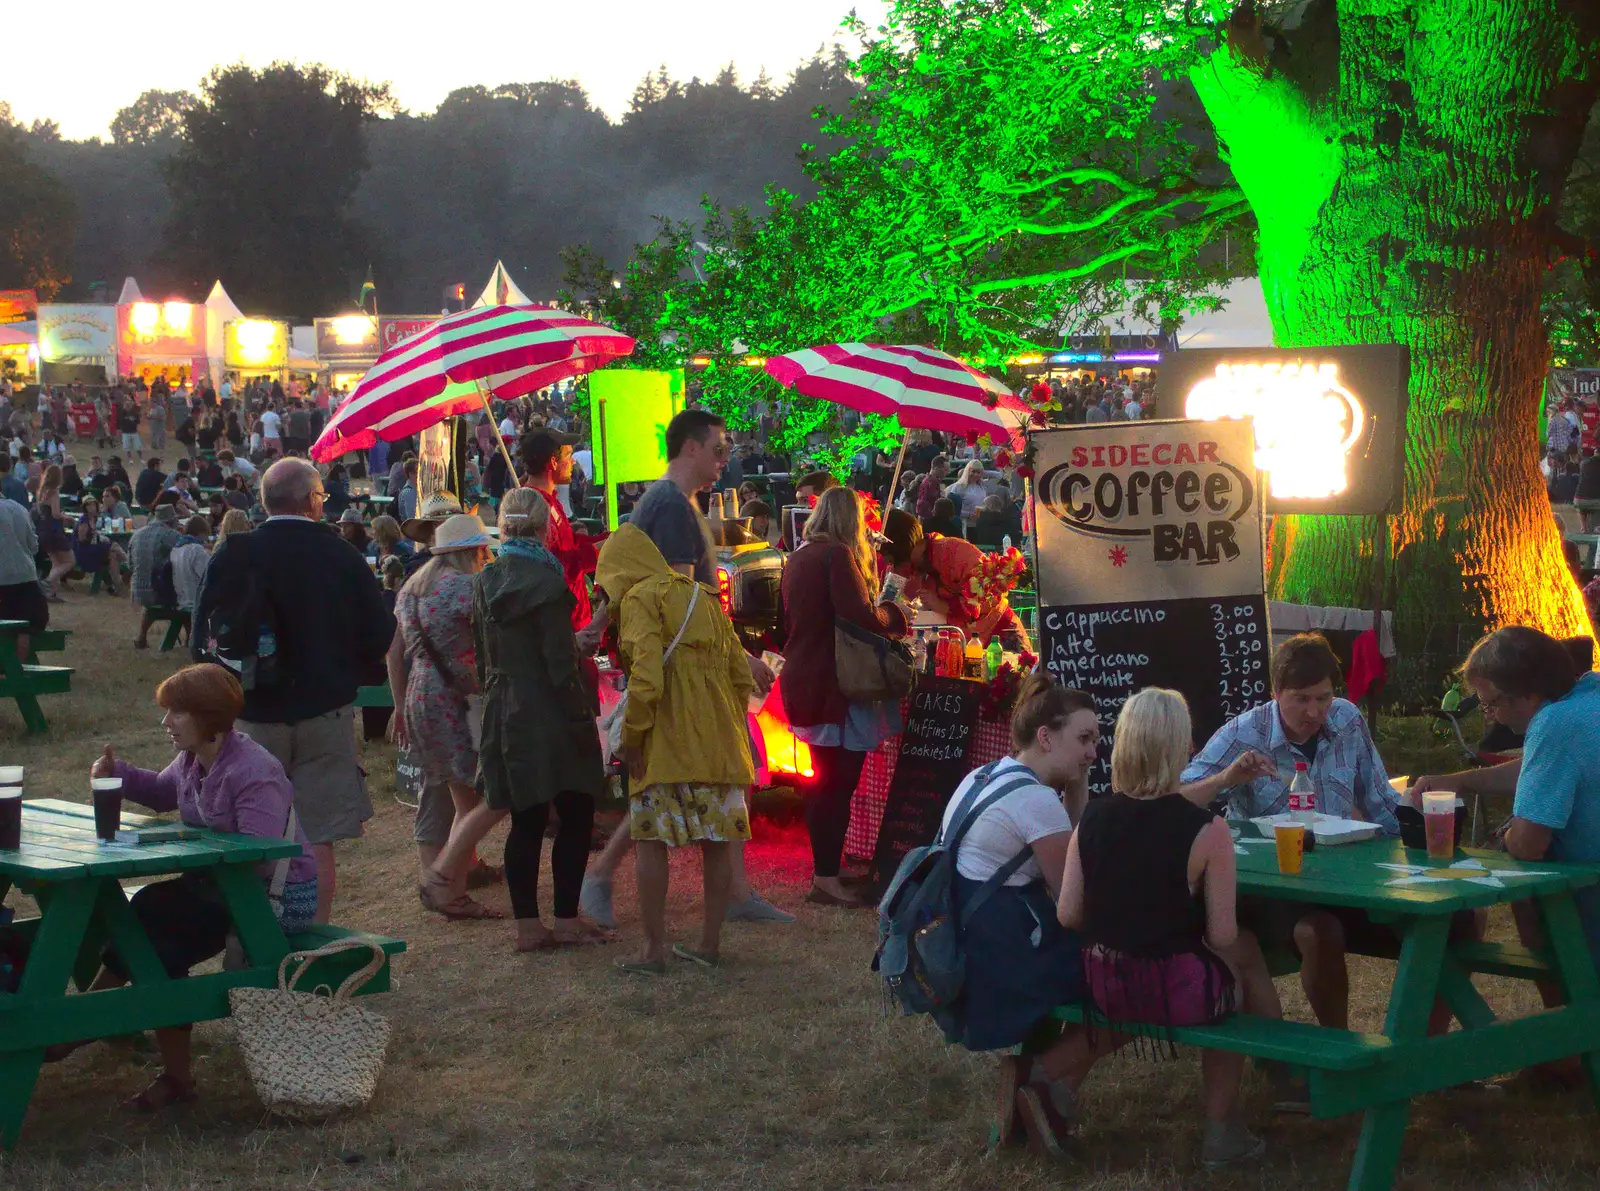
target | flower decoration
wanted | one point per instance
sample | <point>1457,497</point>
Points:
<point>1002,459</point>
<point>999,695</point>
<point>1038,418</point>
<point>988,582</point>
<point>871,511</point>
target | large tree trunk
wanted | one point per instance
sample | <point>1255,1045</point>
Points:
<point>1411,202</point>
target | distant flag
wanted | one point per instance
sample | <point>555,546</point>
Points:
<point>368,290</point>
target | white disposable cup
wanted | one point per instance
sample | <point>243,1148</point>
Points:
<point>1439,803</point>
<point>10,775</point>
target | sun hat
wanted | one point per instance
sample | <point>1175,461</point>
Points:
<point>351,516</point>
<point>461,532</point>
<point>431,510</point>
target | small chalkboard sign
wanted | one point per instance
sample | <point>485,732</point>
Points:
<point>940,727</point>
<point>408,779</point>
<point>1213,650</point>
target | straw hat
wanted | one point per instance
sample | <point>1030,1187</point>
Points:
<point>434,508</point>
<point>461,532</point>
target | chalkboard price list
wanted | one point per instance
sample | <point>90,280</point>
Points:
<point>1240,634</point>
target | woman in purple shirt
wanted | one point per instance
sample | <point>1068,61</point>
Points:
<point>223,780</point>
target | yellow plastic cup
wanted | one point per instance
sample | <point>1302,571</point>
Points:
<point>1291,840</point>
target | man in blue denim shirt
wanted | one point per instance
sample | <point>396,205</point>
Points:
<point>1249,764</point>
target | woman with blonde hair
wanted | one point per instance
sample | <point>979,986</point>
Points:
<point>1151,884</point>
<point>54,539</point>
<point>233,521</point>
<point>433,673</point>
<point>539,748</point>
<point>968,492</point>
<point>833,576</point>
<point>386,533</point>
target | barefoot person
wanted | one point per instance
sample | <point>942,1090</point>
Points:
<point>223,780</point>
<point>683,734</point>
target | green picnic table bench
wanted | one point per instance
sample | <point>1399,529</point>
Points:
<point>374,696</point>
<point>177,622</point>
<point>49,641</point>
<point>1379,1074</point>
<point>76,880</point>
<point>26,681</point>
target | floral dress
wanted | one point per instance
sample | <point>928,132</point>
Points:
<point>439,709</point>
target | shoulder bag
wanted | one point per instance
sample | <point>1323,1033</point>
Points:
<point>870,668</point>
<point>611,722</point>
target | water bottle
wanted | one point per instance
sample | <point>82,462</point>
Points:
<point>1302,794</point>
<point>1005,542</point>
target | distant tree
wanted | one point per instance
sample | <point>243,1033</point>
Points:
<point>154,116</point>
<point>36,217</point>
<point>262,183</point>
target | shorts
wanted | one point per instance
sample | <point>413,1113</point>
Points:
<point>25,601</point>
<point>436,814</point>
<point>319,755</point>
<point>131,444</point>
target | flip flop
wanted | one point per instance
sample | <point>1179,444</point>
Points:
<point>643,967</point>
<point>705,959</point>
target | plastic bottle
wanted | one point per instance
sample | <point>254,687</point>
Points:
<point>954,657</point>
<point>992,658</point>
<point>1005,542</point>
<point>1302,793</point>
<point>972,659</point>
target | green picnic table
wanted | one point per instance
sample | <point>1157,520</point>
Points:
<point>26,681</point>
<point>374,504</point>
<point>76,881</point>
<point>1379,1074</point>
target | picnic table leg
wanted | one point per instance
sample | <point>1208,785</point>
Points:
<point>27,702</point>
<point>50,961</point>
<point>253,920</point>
<point>1575,965</point>
<point>1465,1001</point>
<point>1416,980</point>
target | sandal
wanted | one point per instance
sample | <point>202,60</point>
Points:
<point>704,959</point>
<point>483,876</point>
<point>458,908</point>
<point>164,1091</point>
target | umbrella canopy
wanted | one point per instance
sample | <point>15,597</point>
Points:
<point>19,334</point>
<point>506,350</point>
<point>926,389</point>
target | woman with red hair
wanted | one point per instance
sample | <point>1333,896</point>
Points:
<point>223,780</point>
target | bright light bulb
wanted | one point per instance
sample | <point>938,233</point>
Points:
<point>351,329</point>
<point>255,338</point>
<point>176,315</point>
<point>144,317</point>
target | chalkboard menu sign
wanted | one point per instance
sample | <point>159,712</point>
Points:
<point>1214,651</point>
<point>934,744</point>
<point>1149,564</point>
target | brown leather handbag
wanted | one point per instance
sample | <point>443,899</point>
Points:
<point>870,668</point>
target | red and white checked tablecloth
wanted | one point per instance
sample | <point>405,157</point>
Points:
<point>991,742</point>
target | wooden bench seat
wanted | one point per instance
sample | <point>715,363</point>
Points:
<point>1301,1044</point>
<point>177,621</point>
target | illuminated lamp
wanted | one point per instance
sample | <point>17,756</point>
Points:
<point>1137,357</point>
<point>754,361</point>
<point>1024,361</point>
<point>786,752</point>
<point>725,590</point>
<point>1306,421</point>
<point>352,329</point>
<point>144,317</point>
<point>255,338</point>
<point>177,315</point>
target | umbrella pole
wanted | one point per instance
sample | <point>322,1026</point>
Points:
<point>899,461</point>
<point>511,468</point>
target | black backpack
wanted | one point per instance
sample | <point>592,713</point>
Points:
<point>240,630</point>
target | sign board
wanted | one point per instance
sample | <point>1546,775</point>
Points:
<point>629,409</point>
<point>18,305</point>
<point>162,330</point>
<point>77,334</point>
<point>940,726</point>
<point>255,343</point>
<point>1149,566</point>
<point>1330,422</point>
<point>397,328</point>
<point>349,337</point>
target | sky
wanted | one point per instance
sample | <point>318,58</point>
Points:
<point>425,50</point>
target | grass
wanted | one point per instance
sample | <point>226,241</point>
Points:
<point>778,1071</point>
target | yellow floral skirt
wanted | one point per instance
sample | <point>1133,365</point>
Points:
<point>679,813</point>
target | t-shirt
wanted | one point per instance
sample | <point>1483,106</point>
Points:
<point>1559,785</point>
<point>676,527</point>
<point>584,462</point>
<point>271,425</point>
<point>1010,825</point>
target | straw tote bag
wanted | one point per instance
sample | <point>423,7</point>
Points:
<point>312,1054</point>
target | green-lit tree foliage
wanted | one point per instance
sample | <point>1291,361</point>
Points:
<point>1016,167</point>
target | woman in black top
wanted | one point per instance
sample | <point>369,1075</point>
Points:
<point>207,433</point>
<point>1151,884</point>
<point>235,432</point>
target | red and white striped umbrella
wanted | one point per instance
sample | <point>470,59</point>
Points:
<point>444,371</point>
<point>926,389</point>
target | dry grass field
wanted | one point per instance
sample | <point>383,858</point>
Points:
<point>778,1071</point>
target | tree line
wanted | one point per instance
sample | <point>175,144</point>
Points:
<point>289,180</point>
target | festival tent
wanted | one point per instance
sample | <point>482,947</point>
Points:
<point>220,310</point>
<point>501,290</point>
<point>1242,321</point>
<point>130,292</point>
<point>303,350</point>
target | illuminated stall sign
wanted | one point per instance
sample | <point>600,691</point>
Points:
<point>77,334</point>
<point>1329,421</point>
<point>397,328</point>
<point>18,305</point>
<point>166,332</point>
<point>347,337</point>
<point>1149,566</point>
<point>255,343</point>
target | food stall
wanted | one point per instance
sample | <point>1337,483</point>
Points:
<point>77,344</point>
<point>162,339</point>
<point>347,345</point>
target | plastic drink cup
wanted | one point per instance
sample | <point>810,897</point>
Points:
<point>1291,840</point>
<point>1439,825</point>
<point>107,795</point>
<point>10,775</point>
<point>10,819</point>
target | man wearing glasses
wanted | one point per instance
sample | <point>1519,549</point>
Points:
<point>302,652</point>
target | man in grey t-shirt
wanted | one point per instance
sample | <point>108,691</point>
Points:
<point>676,526</point>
